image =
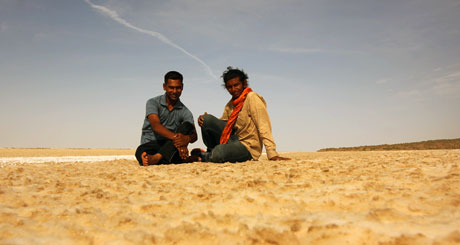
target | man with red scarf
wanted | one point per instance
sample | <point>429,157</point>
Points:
<point>243,129</point>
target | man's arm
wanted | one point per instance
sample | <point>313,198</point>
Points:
<point>193,137</point>
<point>179,139</point>
<point>159,128</point>
<point>183,140</point>
<point>258,109</point>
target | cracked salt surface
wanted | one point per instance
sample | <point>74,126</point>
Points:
<point>21,160</point>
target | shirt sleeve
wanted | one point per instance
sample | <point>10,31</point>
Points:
<point>152,107</point>
<point>261,119</point>
<point>188,117</point>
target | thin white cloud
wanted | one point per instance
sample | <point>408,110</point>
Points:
<point>383,81</point>
<point>3,27</point>
<point>440,82</point>
<point>40,36</point>
<point>444,81</point>
<point>297,50</point>
<point>311,51</point>
<point>114,15</point>
<point>448,84</point>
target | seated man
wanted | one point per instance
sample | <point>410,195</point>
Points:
<point>168,126</point>
<point>243,128</point>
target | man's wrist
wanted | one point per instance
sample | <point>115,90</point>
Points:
<point>271,153</point>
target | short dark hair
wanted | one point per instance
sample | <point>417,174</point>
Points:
<point>174,75</point>
<point>231,73</point>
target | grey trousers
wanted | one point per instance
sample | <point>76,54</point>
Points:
<point>165,147</point>
<point>233,151</point>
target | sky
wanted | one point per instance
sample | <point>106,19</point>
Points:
<point>333,73</point>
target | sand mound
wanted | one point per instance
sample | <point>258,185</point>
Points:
<point>405,197</point>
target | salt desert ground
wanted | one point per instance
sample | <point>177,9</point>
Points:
<point>380,197</point>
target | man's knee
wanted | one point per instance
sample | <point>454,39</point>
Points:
<point>209,120</point>
<point>218,154</point>
<point>138,154</point>
<point>150,148</point>
<point>185,128</point>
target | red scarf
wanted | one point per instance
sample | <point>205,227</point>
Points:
<point>238,103</point>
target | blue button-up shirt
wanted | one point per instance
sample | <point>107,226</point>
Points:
<point>170,119</point>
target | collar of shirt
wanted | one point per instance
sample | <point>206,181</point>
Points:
<point>178,104</point>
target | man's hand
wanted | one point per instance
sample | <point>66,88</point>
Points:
<point>201,119</point>
<point>278,158</point>
<point>183,152</point>
<point>181,140</point>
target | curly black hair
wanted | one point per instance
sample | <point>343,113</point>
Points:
<point>231,73</point>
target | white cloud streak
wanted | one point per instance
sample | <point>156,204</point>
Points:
<point>297,50</point>
<point>442,82</point>
<point>311,51</point>
<point>114,15</point>
<point>3,27</point>
<point>448,84</point>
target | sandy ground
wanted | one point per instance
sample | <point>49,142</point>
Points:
<point>59,152</point>
<point>399,197</point>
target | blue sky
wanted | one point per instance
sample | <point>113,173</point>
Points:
<point>333,73</point>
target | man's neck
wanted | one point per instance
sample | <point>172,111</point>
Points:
<point>170,103</point>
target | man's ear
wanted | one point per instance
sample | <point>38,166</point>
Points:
<point>164,86</point>
<point>245,84</point>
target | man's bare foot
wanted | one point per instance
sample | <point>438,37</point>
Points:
<point>199,154</point>
<point>190,159</point>
<point>150,159</point>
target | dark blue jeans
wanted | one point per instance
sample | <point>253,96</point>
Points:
<point>233,151</point>
<point>165,147</point>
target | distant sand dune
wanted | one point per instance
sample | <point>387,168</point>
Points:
<point>397,197</point>
<point>441,144</point>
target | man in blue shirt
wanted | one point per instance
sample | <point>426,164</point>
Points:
<point>168,126</point>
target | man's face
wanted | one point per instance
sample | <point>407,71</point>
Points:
<point>235,87</point>
<point>173,89</point>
